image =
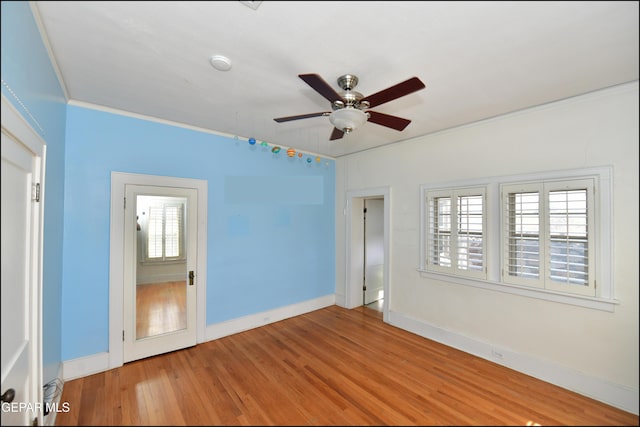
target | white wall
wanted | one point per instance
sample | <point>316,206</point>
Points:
<point>589,351</point>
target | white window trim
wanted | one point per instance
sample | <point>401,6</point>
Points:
<point>604,299</point>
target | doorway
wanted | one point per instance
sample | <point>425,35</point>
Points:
<point>158,260</point>
<point>368,280</point>
<point>373,253</point>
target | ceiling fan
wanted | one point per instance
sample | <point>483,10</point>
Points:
<point>351,109</point>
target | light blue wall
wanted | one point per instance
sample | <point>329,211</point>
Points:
<point>30,84</point>
<point>269,245</point>
<point>271,223</point>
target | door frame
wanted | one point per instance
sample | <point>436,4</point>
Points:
<point>15,125</point>
<point>355,247</point>
<point>116,254</point>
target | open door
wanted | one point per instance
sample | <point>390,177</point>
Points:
<point>21,362</point>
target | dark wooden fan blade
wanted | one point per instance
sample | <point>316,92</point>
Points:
<point>393,122</point>
<point>301,116</point>
<point>321,86</point>
<point>336,134</point>
<point>394,92</point>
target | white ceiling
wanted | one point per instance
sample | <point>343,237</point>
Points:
<point>478,59</point>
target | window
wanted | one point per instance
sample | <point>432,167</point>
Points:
<point>542,235</point>
<point>456,225</point>
<point>164,237</point>
<point>547,239</point>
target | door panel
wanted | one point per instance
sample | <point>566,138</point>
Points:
<point>160,250</point>
<point>20,219</point>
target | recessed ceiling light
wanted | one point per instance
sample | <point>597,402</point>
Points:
<point>220,62</point>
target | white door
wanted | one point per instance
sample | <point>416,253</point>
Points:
<point>373,250</point>
<point>160,245</point>
<point>21,398</point>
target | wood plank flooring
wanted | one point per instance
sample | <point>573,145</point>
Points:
<point>329,367</point>
<point>160,308</point>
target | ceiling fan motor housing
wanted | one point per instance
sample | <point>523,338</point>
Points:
<point>350,97</point>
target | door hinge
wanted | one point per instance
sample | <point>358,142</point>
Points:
<point>35,192</point>
<point>125,203</point>
<point>123,335</point>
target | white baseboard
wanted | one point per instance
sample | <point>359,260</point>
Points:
<point>245,323</point>
<point>616,395</point>
<point>159,278</point>
<point>84,366</point>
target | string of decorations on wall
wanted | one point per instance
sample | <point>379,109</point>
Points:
<point>290,152</point>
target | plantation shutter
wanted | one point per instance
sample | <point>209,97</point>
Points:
<point>568,237</point>
<point>155,232</point>
<point>469,247</point>
<point>165,232</point>
<point>546,236</point>
<point>172,227</point>
<point>522,233</point>
<point>439,250</point>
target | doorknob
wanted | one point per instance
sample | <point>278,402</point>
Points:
<point>191,278</point>
<point>8,395</point>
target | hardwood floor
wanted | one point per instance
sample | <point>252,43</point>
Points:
<point>160,308</point>
<point>329,367</point>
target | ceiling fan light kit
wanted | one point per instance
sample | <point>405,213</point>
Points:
<point>348,118</point>
<point>349,106</point>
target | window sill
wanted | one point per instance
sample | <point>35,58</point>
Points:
<point>579,300</point>
<point>163,262</point>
